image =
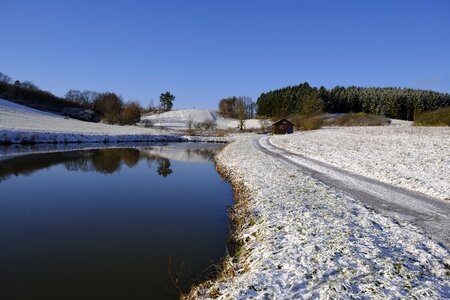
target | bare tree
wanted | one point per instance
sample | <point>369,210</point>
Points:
<point>85,98</point>
<point>241,112</point>
<point>5,78</point>
<point>29,85</point>
<point>232,107</point>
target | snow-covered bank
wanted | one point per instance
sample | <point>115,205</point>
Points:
<point>309,241</point>
<point>35,137</point>
<point>32,136</point>
<point>415,158</point>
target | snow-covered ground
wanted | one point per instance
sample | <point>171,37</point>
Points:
<point>23,124</point>
<point>178,119</point>
<point>416,158</point>
<point>308,241</point>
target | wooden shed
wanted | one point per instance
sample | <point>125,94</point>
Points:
<point>282,126</point>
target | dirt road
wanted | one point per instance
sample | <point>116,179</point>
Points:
<point>404,206</point>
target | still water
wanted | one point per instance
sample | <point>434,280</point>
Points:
<point>110,223</point>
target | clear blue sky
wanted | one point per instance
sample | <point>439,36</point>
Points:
<point>202,51</point>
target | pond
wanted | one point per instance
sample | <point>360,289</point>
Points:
<point>135,222</point>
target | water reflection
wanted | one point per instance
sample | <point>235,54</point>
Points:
<point>105,161</point>
<point>164,169</point>
<point>105,223</point>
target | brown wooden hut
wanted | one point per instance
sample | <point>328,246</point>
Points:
<point>282,126</point>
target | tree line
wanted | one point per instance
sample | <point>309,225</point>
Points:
<point>111,106</point>
<point>397,103</point>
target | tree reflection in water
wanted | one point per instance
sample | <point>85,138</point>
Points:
<point>105,161</point>
<point>164,169</point>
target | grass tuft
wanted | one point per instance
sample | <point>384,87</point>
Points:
<point>358,119</point>
<point>439,117</point>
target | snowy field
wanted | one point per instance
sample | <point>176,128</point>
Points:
<point>416,158</point>
<point>23,124</point>
<point>308,241</point>
<point>178,119</point>
<point>21,118</point>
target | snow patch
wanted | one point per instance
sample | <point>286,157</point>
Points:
<point>178,119</point>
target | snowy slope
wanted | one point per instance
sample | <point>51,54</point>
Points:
<point>23,124</point>
<point>8,106</point>
<point>177,119</point>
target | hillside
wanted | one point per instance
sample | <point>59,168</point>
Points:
<point>178,119</point>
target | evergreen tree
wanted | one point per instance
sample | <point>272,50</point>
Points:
<point>166,99</point>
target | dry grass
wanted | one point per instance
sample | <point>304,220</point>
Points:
<point>241,218</point>
<point>210,133</point>
<point>357,119</point>
<point>307,122</point>
<point>439,117</point>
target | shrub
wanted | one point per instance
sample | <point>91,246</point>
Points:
<point>131,114</point>
<point>307,122</point>
<point>110,105</point>
<point>358,119</point>
<point>147,123</point>
<point>207,125</point>
<point>439,117</point>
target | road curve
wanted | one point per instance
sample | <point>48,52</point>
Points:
<point>431,215</point>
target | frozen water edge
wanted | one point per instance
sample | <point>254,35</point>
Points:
<point>310,241</point>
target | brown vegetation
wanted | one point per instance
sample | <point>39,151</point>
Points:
<point>357,119</point>
<point>110,105</point>
<point>241,218</point>
<point>310,122</point>
<point>439,117</point>
<point>131,114</point>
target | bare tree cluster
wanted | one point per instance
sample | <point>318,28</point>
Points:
<point>114,109</point>
<point>84,98</point>
<point>241,108</point>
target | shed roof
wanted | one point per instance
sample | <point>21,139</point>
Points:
<point>281,121</point>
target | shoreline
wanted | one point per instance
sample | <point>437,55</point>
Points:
<point>32,137</point>
<point>305,239</point>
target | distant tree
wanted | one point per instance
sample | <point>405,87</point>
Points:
<point>240,108</point>
<point>131,114</point>
<point>227,107</point>
<point>84,98</point>
<point>29,85</point>
<point>110,105</point>
<point>166,99</point>
<point>5,78</point>
<point>311,104</point>
<point>241,112</point>
<point>75,96</point>
<point>17,83</point>
<point>251,109</point>
<point>398,103</point>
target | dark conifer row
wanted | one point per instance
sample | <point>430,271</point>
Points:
<point>398,103</point>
